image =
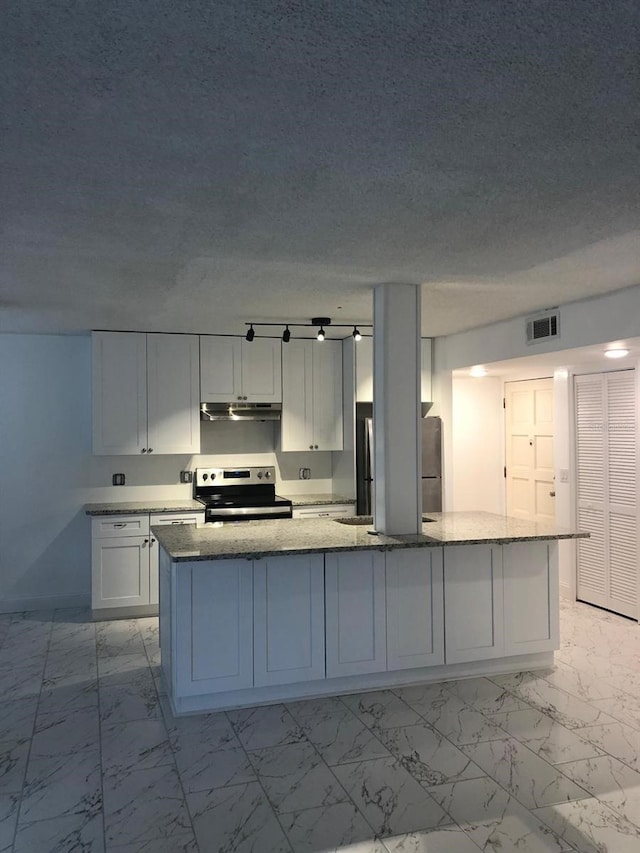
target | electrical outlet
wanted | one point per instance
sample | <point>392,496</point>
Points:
<point>186,476</point>
<point>118,479</point>
<point>304,474</point>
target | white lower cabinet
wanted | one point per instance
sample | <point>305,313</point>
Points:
<point>415,614</point>
<point>355,613</point>
<point>531,597</point>
<point>473,603</point>
<point>120,572</point>
<point>288,613</point>
<point>213,612</point>
<point>124,558</point>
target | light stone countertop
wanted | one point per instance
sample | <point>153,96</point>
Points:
<point>325,499</point>
<point>256,539</point>
<point>140,507</point>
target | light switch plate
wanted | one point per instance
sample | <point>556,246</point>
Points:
<point>118,479</point>
<point>563,475</point>
<point>186,476</point>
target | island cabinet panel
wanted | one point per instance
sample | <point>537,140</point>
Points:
<point>473,603</point>
<point>415,617</point>
<point>214,627</point>
<point>288,608</point>
<point>355,613</point>
<point>531,597</point>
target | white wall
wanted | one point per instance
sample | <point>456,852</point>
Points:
<point>44,448</point>
<point>477,444</point>
<point>615,316</point>
<point>47,471</point>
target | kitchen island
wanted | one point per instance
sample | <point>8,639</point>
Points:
<point>268,611</point>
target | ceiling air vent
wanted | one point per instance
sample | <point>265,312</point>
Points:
<point>543,327</point>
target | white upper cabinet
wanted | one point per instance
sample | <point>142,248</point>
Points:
<point>364,370</point>
<point>145,393</point>
<point>119,393</point>
<point>236,369</point>
<point>312,396</point>
<point>173,402</point>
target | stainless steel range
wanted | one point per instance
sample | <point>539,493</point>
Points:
<point>240,494</point>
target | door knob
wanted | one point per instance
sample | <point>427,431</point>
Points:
<point>552,494</point>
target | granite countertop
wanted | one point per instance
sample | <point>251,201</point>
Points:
<point>318,500</point>
<point>255,539</point>
<point>139,507</point>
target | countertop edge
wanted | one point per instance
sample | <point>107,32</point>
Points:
<point>373,546</point>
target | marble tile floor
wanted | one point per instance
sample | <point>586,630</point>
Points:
<point>92,760</point>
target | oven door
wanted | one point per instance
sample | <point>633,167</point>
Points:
<point>247,513</point>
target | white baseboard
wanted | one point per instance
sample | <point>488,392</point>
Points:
<point>44,602</point>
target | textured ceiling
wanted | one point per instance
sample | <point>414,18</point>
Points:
<point>188,166</point>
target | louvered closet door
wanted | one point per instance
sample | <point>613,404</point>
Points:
<point>607,499</point>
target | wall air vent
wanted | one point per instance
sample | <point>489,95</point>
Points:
<point>542,327</point>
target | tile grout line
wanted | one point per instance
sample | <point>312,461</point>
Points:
<point>173,755</point>
<point>33,733</point>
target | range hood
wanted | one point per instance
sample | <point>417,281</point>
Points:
<point>240,411</point>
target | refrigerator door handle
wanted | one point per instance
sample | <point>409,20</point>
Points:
<point>368,449</point>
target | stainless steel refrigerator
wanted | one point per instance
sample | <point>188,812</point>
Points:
<point>431,461</point>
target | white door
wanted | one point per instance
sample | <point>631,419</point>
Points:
<point>355,613</point>
<point>606,463</point>
<point>119,393</point>
<point>262,370</point>
<point>213,627</point>
<point>415,623</point>
<point>173,394</point>
<point>529,450</point>
<point>327,395</point>
<point>473,603</point>
<point>288,610</point>
<point>120,572</point>
<point>297,396</point>
<point>531,600</point>
<point>220,369</point>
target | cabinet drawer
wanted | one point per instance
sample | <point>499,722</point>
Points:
<point>324,511</point>
<point>120,525</point>
<point>161,518</point>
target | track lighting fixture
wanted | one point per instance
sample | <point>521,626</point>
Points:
<point>318,323</point>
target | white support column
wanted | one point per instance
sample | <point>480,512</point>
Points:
<point>396,408</point>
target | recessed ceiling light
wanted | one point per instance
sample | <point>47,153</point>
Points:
<point>616,353</point>
<point>478,370</point>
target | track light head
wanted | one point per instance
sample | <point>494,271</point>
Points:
<point>286,335</point>
<point>356,334</point>
<point>320,334</point>
<point>250,333</point>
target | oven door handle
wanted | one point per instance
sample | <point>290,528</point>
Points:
<point>254,510</point>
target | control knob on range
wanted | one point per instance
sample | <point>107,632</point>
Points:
<point>267,474</point>
<point>213,476</point>
<point>259,475</point>
<point>205,476</point>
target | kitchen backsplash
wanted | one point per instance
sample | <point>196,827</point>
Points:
<point>224,445</point>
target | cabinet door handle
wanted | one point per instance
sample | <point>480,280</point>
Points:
<point>145,541</point>
<point>311,447</point>
<point>552,494</point>
<point>316,446</point>
<point>120,524</point>
<point>150,450</point>
<point>152,541</point>
<point>177,522</point>
<point>144,450</point>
